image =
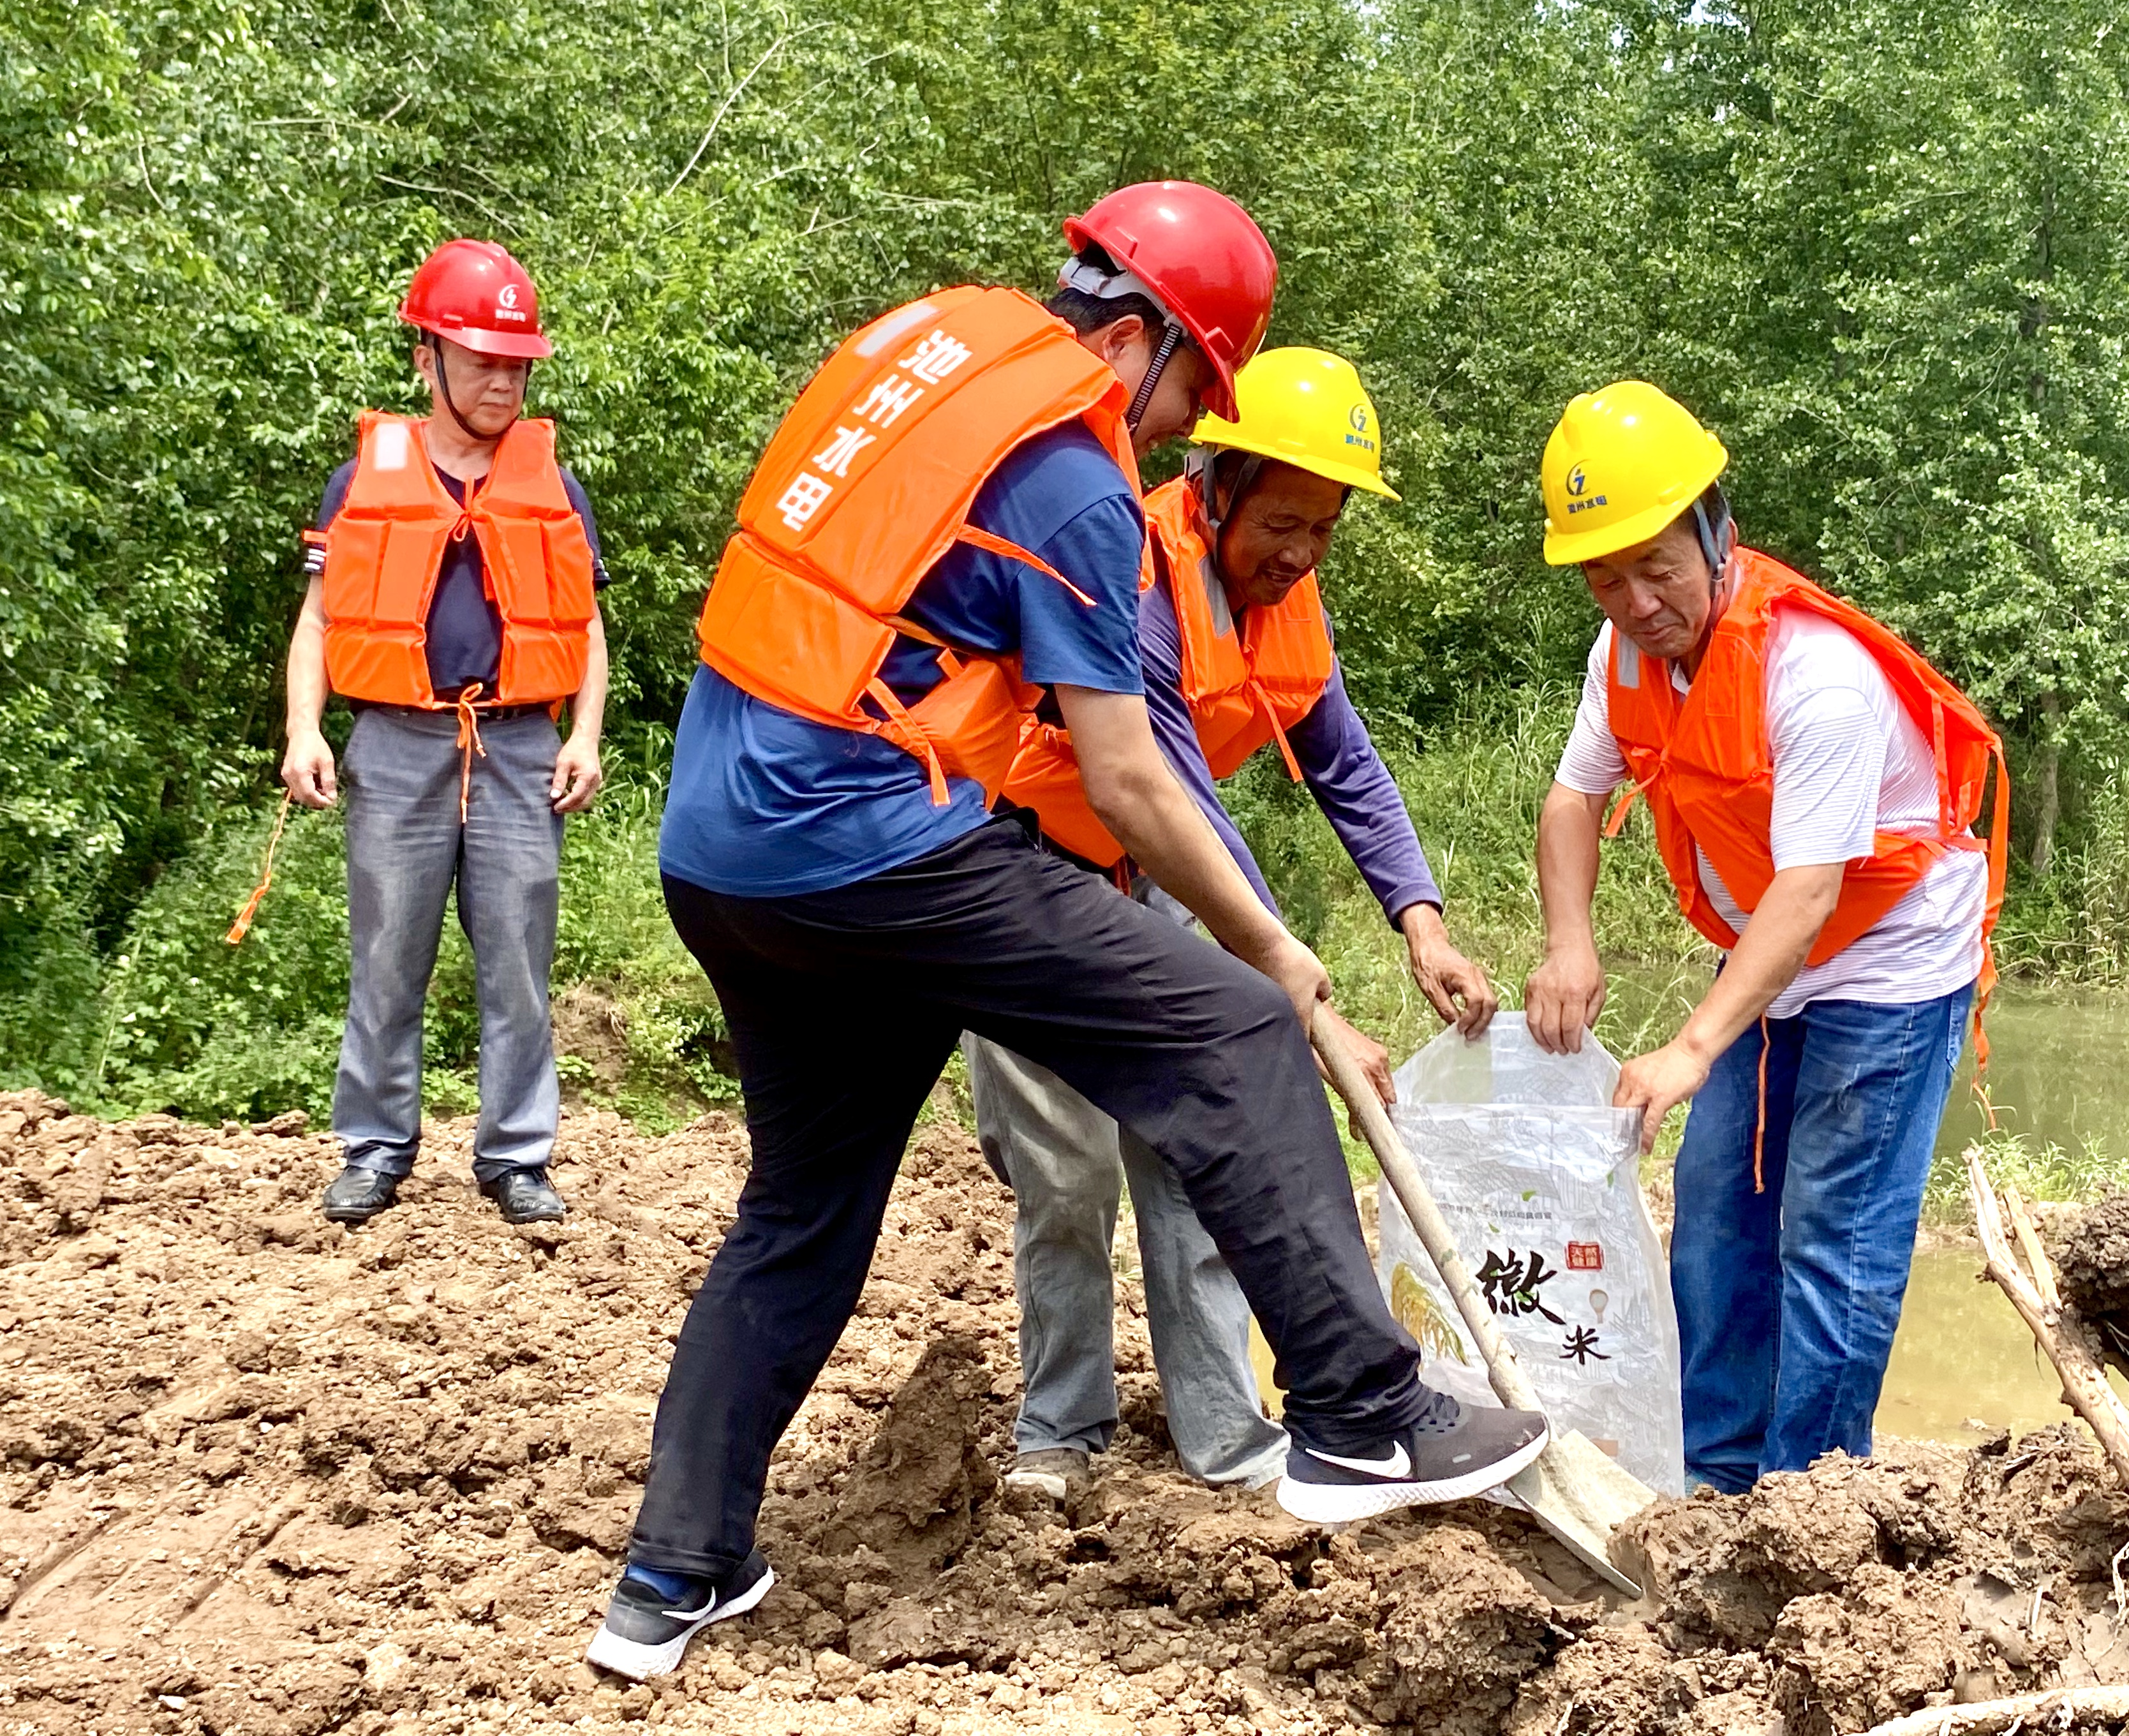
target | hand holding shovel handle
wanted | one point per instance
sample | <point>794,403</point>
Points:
<point>1403,1176</point>
<point>1575,1490</point>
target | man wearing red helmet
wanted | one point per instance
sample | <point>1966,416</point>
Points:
<point>942,540</point>
<point>453,603</point>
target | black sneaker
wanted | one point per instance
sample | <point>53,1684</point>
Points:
<point>1453,1451</point>
<point>646,1632</point>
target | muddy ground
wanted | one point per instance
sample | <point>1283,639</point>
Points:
<point>262,1475</point>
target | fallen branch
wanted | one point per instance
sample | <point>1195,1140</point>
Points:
<point>2058,1327</point>
<point>2064,1710</point>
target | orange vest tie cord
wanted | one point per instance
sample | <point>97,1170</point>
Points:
<point>1244,689</point>
<point>868,482</point>
<point>385,547</point>
<point>242,925</point>
<point>1701,760</point>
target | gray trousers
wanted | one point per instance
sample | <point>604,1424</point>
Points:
<point>1067,1163</point>
<point>406,848</point>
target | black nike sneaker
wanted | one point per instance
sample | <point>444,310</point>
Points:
<point>1453,1451</point>
<point>652,1616</point>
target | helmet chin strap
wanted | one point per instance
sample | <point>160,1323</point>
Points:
<point>443,392</point>
<point>1171,336</point>
<point>1107,286</point>
<point>1199,466</point>
<point>1710,529</point>
<point>1202,463</point>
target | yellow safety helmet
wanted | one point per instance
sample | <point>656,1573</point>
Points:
<point>1622,463</point>
<point>1305,407</point>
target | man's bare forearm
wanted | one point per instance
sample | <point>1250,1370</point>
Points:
<point>1137,797</point>
<point>1155,820</point>
<point>1776,941</point>
<point>588,709</point>
<point>1568,834</point>
<point>307,665</point>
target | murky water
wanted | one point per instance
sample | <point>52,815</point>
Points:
<point>2058,1072</point>
<point>1964,1366</point>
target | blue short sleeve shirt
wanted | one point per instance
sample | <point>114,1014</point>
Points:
<point>765,804</point>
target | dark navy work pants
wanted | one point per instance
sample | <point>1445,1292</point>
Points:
<point>844,1006</point>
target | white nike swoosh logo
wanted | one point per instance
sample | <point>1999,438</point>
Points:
<point>690,1614</point>
<point>1397,1465</point>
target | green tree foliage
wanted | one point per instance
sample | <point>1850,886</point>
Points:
<point>1881,249</point>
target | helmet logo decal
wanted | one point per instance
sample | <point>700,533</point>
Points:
<point>507,296</point>
<point>1358,416</point>
<point>1576,483</point>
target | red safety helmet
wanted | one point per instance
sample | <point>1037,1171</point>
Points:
<point>1202,255</point>
<point>475,295</point>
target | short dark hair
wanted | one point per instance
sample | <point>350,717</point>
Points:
<point>1084,313</point>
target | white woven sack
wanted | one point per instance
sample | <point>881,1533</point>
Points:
<point>1540,1179</point>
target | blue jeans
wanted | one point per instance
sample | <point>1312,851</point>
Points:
<point>1788,1300</point>
<point>406,849</point>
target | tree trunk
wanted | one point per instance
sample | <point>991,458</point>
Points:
<point>2047,798</point>
<point>2047,807</point>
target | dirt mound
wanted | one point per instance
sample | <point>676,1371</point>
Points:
<point>2092,1254</point>
<point>260,1475</point>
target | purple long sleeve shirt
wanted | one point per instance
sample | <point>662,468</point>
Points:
<point>1338,761</point>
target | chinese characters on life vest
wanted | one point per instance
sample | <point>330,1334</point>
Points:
<point>928,364</point>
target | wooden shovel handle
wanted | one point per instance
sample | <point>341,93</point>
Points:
<point>1402,1175</point>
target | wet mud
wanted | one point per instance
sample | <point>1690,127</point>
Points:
<point>262,1475</point>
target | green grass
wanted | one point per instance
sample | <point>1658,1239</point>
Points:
<point>2039,1169</point>
<point>184,1021</point>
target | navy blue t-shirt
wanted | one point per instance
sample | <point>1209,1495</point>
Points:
<point>464,627</point>
<point>765,804</point>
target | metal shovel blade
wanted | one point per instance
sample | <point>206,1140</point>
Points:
<point>1575,1490</point>
<point>1581,1494</point>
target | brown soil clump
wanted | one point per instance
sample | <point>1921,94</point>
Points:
<point>265,1475</point>
<point>2092,1254</point>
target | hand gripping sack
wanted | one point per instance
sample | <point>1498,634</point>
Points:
<point>1539,1178</point>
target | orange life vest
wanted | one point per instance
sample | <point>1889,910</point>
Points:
<point>867,483</point>
<point>1702,758</point>
<point>385,546</point>
<point>1243,689</point>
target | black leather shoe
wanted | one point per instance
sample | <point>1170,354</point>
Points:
<point>358,1195</point>
<point>524,1196</point>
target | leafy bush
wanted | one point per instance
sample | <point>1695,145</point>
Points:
<point>187,1023</point>
<point>1880,247</point>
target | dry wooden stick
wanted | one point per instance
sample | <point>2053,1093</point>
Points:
<point>2064,1710</point>
<point>2056,1327</point>
<point>2029,1241</point>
